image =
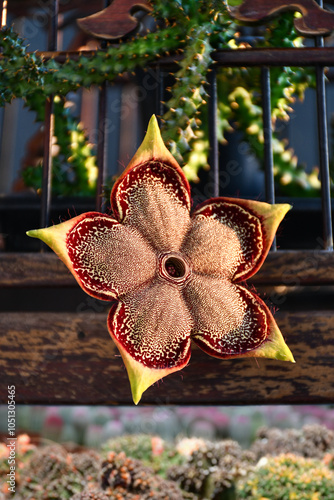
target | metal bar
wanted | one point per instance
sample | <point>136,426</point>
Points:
<point>324,154</point>
<point>213,136</point>
<point>49,126</point>
<point>47,162</point>
<point>160,104</point>
<point>306,56</point>
<point>160,93</point>
<point>4,13</point>
<point>267,137</point>
<point>102,132</point>
<point>53,28</point>
<point>101,147</point>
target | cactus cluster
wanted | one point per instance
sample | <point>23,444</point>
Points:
<point>150,450</point>
<point>288,476</point>
<point>311,441</point>
<point>193,29</point>
<point>54,473</point>
<point>124,477</point>
<point>212,470</point>
<point>281,464</point>
<point>23,451</point>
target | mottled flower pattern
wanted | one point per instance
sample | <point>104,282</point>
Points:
<point>174,276</point>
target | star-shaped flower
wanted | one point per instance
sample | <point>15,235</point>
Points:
<point>174,275</point>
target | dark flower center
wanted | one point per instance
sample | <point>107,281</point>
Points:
<point>174,268</point>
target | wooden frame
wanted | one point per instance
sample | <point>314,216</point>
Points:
<point>69,358</point>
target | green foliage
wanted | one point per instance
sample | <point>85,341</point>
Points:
<point>130,467</point>
<point>212,470</point>
<point>52,473</point>
<point>180,120</point>
<point>74,170</point>
<point>288,477</point>
<point>124,478</point>
<point>26,75</point>
<point>151,450</point>
<point>244,110</point>
<point>193,28</point>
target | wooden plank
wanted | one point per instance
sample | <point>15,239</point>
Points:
<point>60,358</point>
<point>296,267</point>
<point>290,268</point>
<point>115,21</point>
<point>33,269</point>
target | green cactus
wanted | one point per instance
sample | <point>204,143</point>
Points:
<point>143,447</point>
<point>53,473</point>
<point>212,470</point>
<point>74,169</point>
<point>287,477</point>
<point>193,28</point>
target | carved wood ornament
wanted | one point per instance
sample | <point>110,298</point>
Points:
<point>115,21</point>
<point>314,21</point>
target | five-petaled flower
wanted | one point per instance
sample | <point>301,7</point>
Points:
<point>174,275</point>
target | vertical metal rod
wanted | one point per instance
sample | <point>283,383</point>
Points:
<point>101,147</point>
<point>49,126</point>
<point>267,137</point>
<point>102,134</point>
<point>4,13</point>
<point>47,162</point>
<point>53,26</point>
<point>213,136</point>
<point>160,106</point>
<point>324,154</point>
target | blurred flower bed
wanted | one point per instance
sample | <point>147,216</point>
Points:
<point>280,464</point>
<point>91,426</point>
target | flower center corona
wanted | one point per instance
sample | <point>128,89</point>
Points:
<point>174,267</point>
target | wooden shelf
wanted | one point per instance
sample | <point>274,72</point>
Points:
<point>69,358</point>
<point>284,267</point>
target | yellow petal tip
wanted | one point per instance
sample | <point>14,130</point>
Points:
<point>32,233</point>
<point>152,148</point>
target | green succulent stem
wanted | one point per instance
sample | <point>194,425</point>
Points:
<point>181,119</point>
<point>74,168</point>
<point>193,28</point>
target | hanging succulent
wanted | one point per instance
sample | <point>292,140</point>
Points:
<point>193,28</point>
<point>74,169</point>
<point>174,276</point>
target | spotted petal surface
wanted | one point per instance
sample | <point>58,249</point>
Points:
<point>152,330</point>
<point>175,276</point>
<point>153,194</point>
<point>105,254</point>
<point>230,320</point>
<point>106,258</point>
<point>153,199</point>
<point>231,237</point>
